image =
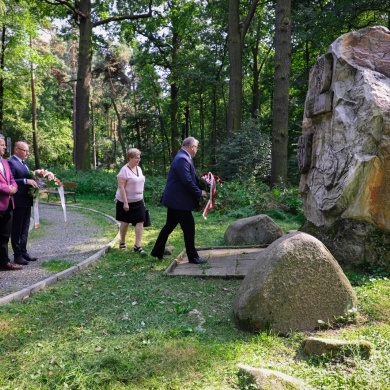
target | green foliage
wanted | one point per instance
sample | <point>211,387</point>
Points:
<point>94,182</point>
<point>154,187</point>
<point>244,199</point>
<point>235,199</point>
<point>246,155</point>
<point>101,182</point>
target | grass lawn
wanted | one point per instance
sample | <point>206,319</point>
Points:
<point>122,324</point>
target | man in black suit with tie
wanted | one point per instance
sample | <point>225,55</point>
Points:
<point>181,196</point>
<point>23,203</point>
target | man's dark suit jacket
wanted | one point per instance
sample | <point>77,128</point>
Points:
<point>182,191</point>
<point>20,172</point>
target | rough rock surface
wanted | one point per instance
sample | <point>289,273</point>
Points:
<point>264,379</point>
<point>294,283</point>
<point>344,152</point>
<point>257,230</point>
<point>313,346</point>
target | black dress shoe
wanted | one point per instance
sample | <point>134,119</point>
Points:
<point>27,257</point>
<point>20,260</point>
<point>198,260</point>
<point>154,255</point>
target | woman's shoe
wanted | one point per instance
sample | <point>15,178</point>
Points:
<point>139,249</point>
<point>122,246</point>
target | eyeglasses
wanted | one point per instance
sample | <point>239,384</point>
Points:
<point>24,150</point>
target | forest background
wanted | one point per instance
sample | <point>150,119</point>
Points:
<point>81,81</point>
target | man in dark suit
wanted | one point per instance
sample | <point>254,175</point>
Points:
<point>23,203</point>
<point>181,196</point>
<point>8,188</point>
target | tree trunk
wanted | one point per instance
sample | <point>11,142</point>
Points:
<point>81,141</point>
<point>235,71</point>
<point>34,115</point>
<point>281,92</point>
<point>74,88</point>
<point>94,157</point>
<point>118,115</point>
<point>175,134</point>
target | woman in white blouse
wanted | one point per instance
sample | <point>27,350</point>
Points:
<point>129,197</point>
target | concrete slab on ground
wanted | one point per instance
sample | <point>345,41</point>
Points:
<point>222,262</point>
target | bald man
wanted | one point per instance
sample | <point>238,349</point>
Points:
<point>23,203</point>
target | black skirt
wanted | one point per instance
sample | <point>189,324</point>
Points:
<point>134,215</point>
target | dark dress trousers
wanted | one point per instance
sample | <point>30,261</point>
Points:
<point>22,211</point>
<point>181,196</point>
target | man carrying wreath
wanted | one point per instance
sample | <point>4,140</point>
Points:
<point>23,203</point>
<point>181,195</point>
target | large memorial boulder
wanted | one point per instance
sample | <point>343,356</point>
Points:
<point>344,151</point>
<point>294,283</point>
<point>257,230</point>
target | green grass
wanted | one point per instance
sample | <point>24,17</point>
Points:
<point>57,265</point>
<point>123,324</point>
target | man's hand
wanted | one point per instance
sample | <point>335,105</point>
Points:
<point>12,189</point>
<point>32,183</point>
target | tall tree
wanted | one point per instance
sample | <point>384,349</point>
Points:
<point>34,120</point>
<point>172,45</point>
<point>86,14</point>
<point>236,46</point>
<point>281,92</point>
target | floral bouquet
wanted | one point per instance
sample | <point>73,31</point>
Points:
<point>44,179</point>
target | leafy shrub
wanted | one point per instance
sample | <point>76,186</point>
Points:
<point>235,199</point>
<point>96,181</point>
<point>104,183</point>
<point>289,198</point>
<point>244,199</point>
<point>246,155</point>
<point>154,187</point>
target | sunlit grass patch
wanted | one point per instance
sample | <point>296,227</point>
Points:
<point>57,265</point>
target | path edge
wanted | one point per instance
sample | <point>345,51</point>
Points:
<point>27,291</point>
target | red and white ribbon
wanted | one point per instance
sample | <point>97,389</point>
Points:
<point>211,180</point>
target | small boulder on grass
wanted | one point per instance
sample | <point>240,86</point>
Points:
<point>313,346</point>
<point>293,284</point>
<point>257,230</point>
<point>168,251</point>
<point>264,379</point>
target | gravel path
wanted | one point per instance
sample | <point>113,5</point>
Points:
<point>76,240</point>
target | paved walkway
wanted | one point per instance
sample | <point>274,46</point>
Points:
<point>222,262</point>
<point>81,240</point>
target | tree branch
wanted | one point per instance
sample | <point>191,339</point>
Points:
<point>248,20</point>
<point>67,4</point>
<point>125,17</point>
